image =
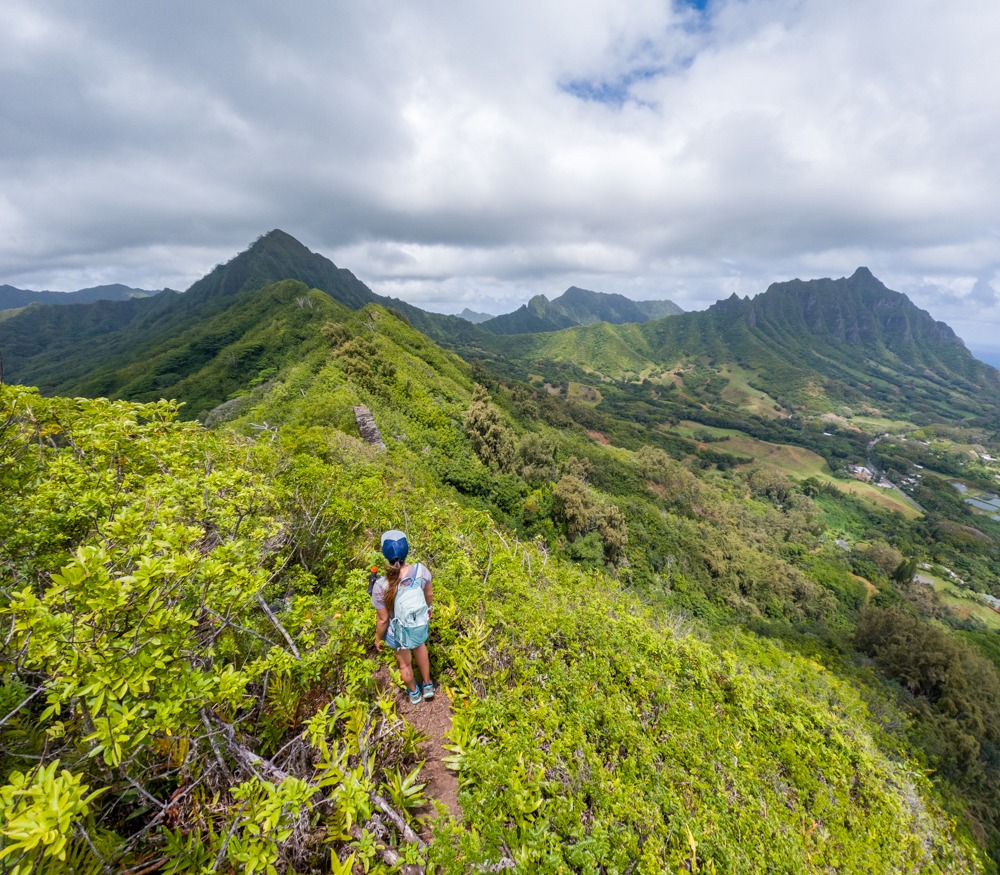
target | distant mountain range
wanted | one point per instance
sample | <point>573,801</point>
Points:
<point>848,341</point>
<point>148,348</point>
<point>145,347</point>
<point>12,298</point>
<point>577,306</point>
<point>474,317</point>
<point>573,307</point>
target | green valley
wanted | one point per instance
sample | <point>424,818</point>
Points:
<point>680,626</point>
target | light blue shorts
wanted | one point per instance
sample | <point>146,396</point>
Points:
<point>393,644</point>
<point>390,639</point>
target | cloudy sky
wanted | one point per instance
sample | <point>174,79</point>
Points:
<point>477,153</point>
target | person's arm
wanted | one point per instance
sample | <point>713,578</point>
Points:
<point>381,624</point>
<point>429,594</point>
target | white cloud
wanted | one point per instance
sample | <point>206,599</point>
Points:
<point>453,153</point>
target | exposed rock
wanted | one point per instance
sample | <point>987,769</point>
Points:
<point>367,427</point>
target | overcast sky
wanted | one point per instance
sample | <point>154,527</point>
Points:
<point>476,153</point>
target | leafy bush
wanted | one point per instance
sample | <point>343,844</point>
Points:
<point>492,440</point>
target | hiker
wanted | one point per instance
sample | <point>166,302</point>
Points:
<point>403,600</point>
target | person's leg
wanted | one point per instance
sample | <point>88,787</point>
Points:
<point>405,662</point>
<point>423,662</point>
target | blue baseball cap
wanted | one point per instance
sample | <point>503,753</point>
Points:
<point>395,546</point>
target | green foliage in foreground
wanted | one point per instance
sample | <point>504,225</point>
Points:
<point>739,546</point>
<point>187,682</point>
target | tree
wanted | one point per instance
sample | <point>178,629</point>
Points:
<point>905,571</point>
<point>579,468</point>
<point>491,439</point>
<point>535,460</point>
<point>574,506</point>
<point>885,556</point>
<point>584,515</point>
<point>679,486</point>
<point>769,485</point>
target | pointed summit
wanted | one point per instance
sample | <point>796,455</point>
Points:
<point>864,279</point>
<point>277,256</point>
<point>278,237</point>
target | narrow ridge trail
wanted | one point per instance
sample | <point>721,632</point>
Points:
<point>433,719</point>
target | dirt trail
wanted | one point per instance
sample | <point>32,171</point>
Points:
<point>433,719</point>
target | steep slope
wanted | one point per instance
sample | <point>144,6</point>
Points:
<point>420,397</point>
<point>190,681</point>
<point>858,312</point>
<point>591,730</point>
<point>225,353</point>
<point>100,348</point>
<point>278,256</point>
<point>822,344</point>
<point>577,306</point>
<point>13,298</point>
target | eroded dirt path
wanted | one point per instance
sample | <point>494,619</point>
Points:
<point>433,719</point>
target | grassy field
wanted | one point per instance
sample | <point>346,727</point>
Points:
<point>875,424</point>
<point>743,395</point>
<point>963,607</point>
<point>582,393</point>
<point>687,428</point>
<point>800,463</point>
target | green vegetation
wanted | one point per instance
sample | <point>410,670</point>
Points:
<point>200,346</point>
<point>822,347</point>
<point>964,603</point>
<point>740,393</point>
<point>675,635</point>
<point>188,659</point>
<point>577,306</point>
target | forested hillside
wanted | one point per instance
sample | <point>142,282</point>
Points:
<point>105,348</point>
<point>816,346</point>
<point>668,644</point>
<point>577,306</point>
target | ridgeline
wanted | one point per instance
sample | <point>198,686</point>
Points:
<point>675,632</point>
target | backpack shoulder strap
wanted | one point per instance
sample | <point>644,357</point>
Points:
<point>412,577</point>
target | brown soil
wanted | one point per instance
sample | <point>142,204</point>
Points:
<point>433,719</point>
<point>870,588</point>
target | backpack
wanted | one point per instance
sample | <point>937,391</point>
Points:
<point>410,621</point>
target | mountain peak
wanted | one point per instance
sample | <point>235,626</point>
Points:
<point>574,294</point>
<point>474,316</point>
<point>276,243</point>
<point>277,237</point>
<point>859,310</point>
<point>275,256</point>
<point>863,278</point>
<point>578,306</point>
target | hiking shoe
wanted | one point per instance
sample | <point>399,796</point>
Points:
<point>415,695</point>
<point>428,690</point>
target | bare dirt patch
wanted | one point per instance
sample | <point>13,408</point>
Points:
<point>433,719</point>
